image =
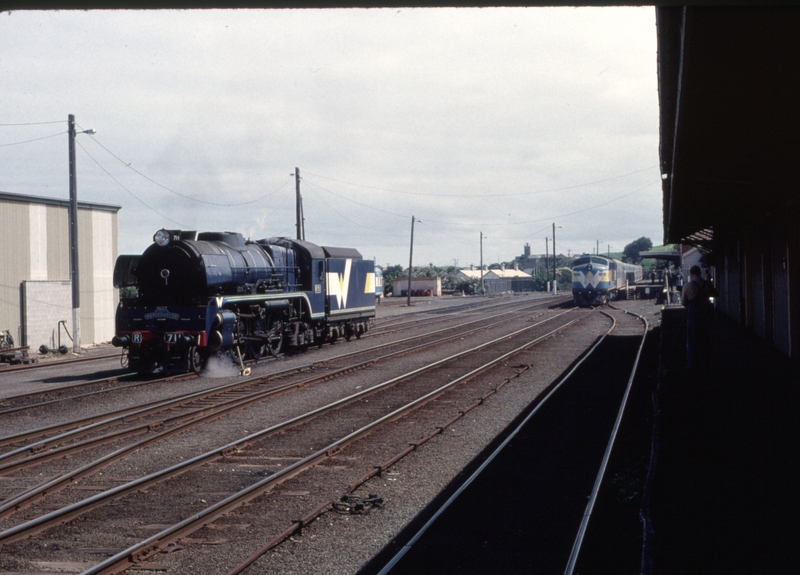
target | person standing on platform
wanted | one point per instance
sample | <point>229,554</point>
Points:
<point>695,298</point>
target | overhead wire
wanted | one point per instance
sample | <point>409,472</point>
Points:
<point>137,198</point>
<point>486,195</point>
<point>355,202</point>
<point>160,185</point>
<point>34,123</point>
<point>593,207</point>
<point>32,140</point>
<point>341,215</point>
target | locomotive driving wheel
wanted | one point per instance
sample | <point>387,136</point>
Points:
<point>274,337</point>
<point>257,349</point>
<point>196,359</point>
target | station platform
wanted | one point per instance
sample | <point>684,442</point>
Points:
<point>703,477</point>
<point>726,487</point>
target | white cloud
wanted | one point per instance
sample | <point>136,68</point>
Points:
<point>448,105</point>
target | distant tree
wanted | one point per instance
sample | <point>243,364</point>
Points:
<point>564,279</point>
<point>541,278</point>
<point>632,250</point>
<point>391,273</point>
<point>468,286</point>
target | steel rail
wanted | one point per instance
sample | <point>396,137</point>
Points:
<point>59,363</point>
<point>399,555</point>
<point>60,389</point>
<point>445,312</point>
<point>71,511</point>
<point>154,544</point>
<point>587,514</point>
<point>476,305</point>
<point>137,411</point>
<point>196,417</point>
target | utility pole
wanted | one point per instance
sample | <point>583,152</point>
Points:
<point>547,257</point>
<point>483,290</point>
<point>555,283</point>
<point>301,227</point>
<point>73,240</point>
<point>410,260</point>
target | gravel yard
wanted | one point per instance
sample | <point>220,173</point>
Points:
<point>334,543</point>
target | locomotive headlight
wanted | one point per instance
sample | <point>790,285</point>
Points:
<point>161,238</point>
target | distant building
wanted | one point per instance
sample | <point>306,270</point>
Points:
<point>35,287</point>
<point>502,280</point>
<point>425,286</point>
<point>507,280</point>
<point>471,273</point>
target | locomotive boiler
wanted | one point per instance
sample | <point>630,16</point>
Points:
<point>215,294</point>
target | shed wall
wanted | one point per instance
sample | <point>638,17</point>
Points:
<point>433,284</point>
<point>38,251</point>
<point>44,305</point>
<point>15,264</point>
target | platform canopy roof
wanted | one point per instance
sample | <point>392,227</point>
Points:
<point>729,92</point>
<point>673,256</point>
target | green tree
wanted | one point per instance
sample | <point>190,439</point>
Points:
<point>391,273</point>
<point>468,286</point>
<point>632,250</point>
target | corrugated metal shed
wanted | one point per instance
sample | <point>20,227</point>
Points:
<point>36,249</point>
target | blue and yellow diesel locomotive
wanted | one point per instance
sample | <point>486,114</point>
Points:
<point>598,279</point>
<point>378,282</point>
<point>213,293</point>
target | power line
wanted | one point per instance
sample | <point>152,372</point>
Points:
<point>549,218</point>
<point>355,202</point>
<point>339,213</point>
<point>33,140</point>
<point>505,223</point>
<point>149,179</point>
<point>486,195</point>
<point>127,190</point>
<point>35,123</point>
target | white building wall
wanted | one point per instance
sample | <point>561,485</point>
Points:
<point>14,264</point>
<point>45,303</point>
<point>433,284</point>
<point>34,247</point>
<point>37,216</point>
<point>103,292</point>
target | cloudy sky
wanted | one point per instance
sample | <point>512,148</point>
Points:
<point>495,120</point>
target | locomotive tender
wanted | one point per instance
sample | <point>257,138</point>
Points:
<point>214,293</point>
<point>597,279</point>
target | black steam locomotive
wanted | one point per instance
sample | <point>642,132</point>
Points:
<point>215,294</point>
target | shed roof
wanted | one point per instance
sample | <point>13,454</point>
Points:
<point>26,199</point>
<point>506,273</point>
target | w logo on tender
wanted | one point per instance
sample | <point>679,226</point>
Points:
<point>339,284</point>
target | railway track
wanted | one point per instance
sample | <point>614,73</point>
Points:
<point>28,400</point>
<point>37,365</point>
<point>179,414</point>
<point>235,450</point>
<point>451,541</point>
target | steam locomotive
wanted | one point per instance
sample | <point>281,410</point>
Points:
<point>596,279</point>
<point>214,294</point>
